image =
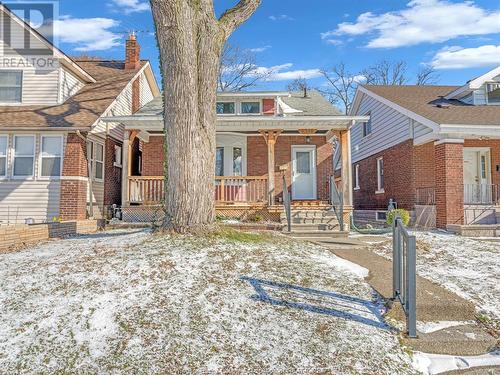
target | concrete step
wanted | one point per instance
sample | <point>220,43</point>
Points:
<point>309,214</point>
<point>313,227</point>
<point>313,220</point>
<point>316,234</point>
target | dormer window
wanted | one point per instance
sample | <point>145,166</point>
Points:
<point>10,86</point>
<point>250,108</point>
<point>225,108</point>
<point>493,90</point>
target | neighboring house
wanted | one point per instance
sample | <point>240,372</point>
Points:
<point>51,132</point>
<point>434,150</point>
<point>261,138</point>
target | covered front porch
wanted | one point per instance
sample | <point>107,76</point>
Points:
<point>259,160</point>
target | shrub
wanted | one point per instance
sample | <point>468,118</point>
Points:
<point>404,214</point>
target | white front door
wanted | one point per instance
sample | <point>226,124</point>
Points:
<point>303,172</point>
<point>477,175</point>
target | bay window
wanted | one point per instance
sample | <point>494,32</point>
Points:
<point>24,155</point>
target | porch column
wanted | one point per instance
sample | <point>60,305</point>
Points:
<point>345,141</point>
<point>128,138</point>
<point>449,175</point>
<point>270,137</point>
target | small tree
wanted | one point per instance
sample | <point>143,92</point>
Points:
<point>190,39</point>
<point>427,76</point>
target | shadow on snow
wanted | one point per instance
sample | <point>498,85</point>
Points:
<point>317,301</point>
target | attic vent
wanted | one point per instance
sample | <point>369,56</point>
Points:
<point>443,105</point>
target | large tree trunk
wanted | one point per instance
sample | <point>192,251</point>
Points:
<point>190,39</point>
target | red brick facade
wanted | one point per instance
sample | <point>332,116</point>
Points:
<point>73,204</point>
<point>132,53</point>
<point>449,167</point>
<point>257,160</point>
<point>152,157</point>
<point>408,168</point>
<point>136,95</point>
<point>113,175</point>
<point>398,179</point>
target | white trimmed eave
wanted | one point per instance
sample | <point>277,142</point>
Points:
<point>415,116</point>
<point>248,124</point>
<point>460,131</point>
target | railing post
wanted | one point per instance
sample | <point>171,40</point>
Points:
<point>396,247</point>
<point>411,285</point>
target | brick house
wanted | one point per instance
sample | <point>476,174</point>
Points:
<point>434,150</point>
<point>261,138</point>
<point>51,129</point>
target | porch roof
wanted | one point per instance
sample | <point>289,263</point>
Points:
<point>150,118</point>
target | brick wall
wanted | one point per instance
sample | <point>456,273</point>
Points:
<point>112,182</point>
<point>424,165</point>
<point>136,95</point>
<point>16,236</point>
<point>398,179</point>
<point>73,204</point>
<point>449,172</point>
<point>152,157</point>
<point>257,160</point>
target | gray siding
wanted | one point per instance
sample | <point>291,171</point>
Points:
<point>389,127</point>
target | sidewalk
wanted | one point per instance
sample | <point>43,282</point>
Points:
<point>434,304</point>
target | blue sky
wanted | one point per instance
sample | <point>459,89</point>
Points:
<point>297,38</point>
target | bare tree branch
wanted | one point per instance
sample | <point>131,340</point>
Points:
<point>238,14</point>
<point>386,73</point>
<point>238,69</point>
<point>427,76</point>
<point>299,84</point>
<point>341,86</point>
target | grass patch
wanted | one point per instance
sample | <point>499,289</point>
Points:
<point>235,235</point>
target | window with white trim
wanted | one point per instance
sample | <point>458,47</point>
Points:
<point>11,86</point>
<point>225,108</point>
<point>51,156</point>
<point>250,108</point>
<point>118,157</point>
<point>96,152</point>
<point>356,177</point>
<point>367,126</point>
<point>24,155</point>
<point>237,161</point>
<point>4,140</point>
<point>380,175</point>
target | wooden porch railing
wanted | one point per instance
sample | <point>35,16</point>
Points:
<point>146,189</point>
<point>228,189</point>
<point>241,189</point>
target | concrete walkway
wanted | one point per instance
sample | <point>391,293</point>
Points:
<point>434,303</point>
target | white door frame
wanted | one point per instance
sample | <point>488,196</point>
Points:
<point>486,150</point>
<point>312,149</point>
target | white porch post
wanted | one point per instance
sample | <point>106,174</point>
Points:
<point>346,168</point>
<point>125,168</point>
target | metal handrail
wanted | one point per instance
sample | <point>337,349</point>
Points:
<point>481,194</point>
<point>336,195</point>
<point>404,276</point>
<point>287,205</point>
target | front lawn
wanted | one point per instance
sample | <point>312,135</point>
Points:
<point>125,302</point>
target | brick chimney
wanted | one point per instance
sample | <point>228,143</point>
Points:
<point>132,53</point>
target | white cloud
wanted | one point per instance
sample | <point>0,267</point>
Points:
<point>259,49</point>
<point>87,34</point>
<point>283,72</point>
<point>131,6</point>
<point>334,42</point>
<point>423,21</point>
<point>281,17</point>
<point>460,58</point>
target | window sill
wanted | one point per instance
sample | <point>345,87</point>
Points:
<point>381,191</point>
<point>356,188</point>
<point>118,165</point>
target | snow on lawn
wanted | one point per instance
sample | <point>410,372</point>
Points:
<point>469,267</point>
<point>122,302</point>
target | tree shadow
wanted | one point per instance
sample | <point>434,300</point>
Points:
<point>317,301</point>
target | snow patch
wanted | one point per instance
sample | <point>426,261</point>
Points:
<point>344,265</point>
<point>430,364</point>
<point>429,327</point>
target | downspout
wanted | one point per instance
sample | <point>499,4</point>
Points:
<point>89,174</point>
